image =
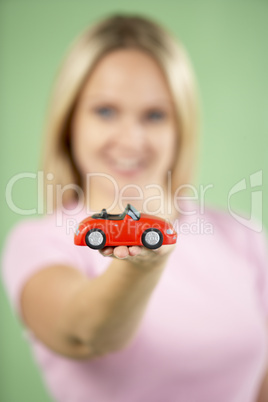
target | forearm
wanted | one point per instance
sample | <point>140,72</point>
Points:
<point>105,312</point>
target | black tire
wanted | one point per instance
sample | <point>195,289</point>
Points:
<point>152,246</point>
<point>95,246</point>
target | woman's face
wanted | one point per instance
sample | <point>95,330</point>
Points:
<point>124,122</point>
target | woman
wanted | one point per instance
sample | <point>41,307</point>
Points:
<point>182,323</point>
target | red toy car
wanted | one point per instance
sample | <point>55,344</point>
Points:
<point>128,229</point>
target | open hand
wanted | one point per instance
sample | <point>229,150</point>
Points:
<point>138,254</point>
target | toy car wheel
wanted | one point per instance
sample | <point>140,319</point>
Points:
<point>152,238</point>
<point>95,238</point>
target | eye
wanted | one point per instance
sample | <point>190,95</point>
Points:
<point>105,111</point>
<point>155,115</point>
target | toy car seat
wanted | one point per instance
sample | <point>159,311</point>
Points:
<point>104,213</point>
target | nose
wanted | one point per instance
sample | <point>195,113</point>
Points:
<point>130,135</point>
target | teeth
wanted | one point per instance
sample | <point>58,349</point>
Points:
<point>127,164</point>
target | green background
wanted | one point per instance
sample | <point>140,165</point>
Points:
<point>227,43</point>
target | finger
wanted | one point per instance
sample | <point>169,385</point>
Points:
<point>144,254</point>
<point>134,250</point>
<point>121,252</point>
<point>106,251</point>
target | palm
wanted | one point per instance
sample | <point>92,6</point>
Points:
<point>138,254</point>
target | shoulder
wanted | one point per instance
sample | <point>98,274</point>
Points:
<point>244,237</point>
<point>236,227</point>
<point>59,227</point>
<point>23,231</point>
<point>215,226</point>
<point>35,239</point>
<point>36,243</point>
<point>27,226</point>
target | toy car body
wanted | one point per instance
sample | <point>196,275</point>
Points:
<point>128,228</point>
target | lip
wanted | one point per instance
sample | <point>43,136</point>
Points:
<point>125,172</point>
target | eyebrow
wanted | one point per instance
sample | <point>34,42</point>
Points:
<point>157,102</point>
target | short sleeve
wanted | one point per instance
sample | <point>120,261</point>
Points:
<point>29,247</point>
<point>258,247</point>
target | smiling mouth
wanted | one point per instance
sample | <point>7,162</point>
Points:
<point>126,166</point>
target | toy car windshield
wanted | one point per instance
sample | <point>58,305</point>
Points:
<point>129,210</point>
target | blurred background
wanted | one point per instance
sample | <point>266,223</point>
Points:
<point>227,44</point>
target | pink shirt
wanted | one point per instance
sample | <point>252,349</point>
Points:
<point>203,337</point>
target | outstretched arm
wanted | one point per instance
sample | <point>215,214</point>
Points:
<point>83,318</point>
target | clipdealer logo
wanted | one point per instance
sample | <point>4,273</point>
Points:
<point>255,220</point>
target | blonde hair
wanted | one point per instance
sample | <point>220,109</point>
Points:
<point>114,32</point>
